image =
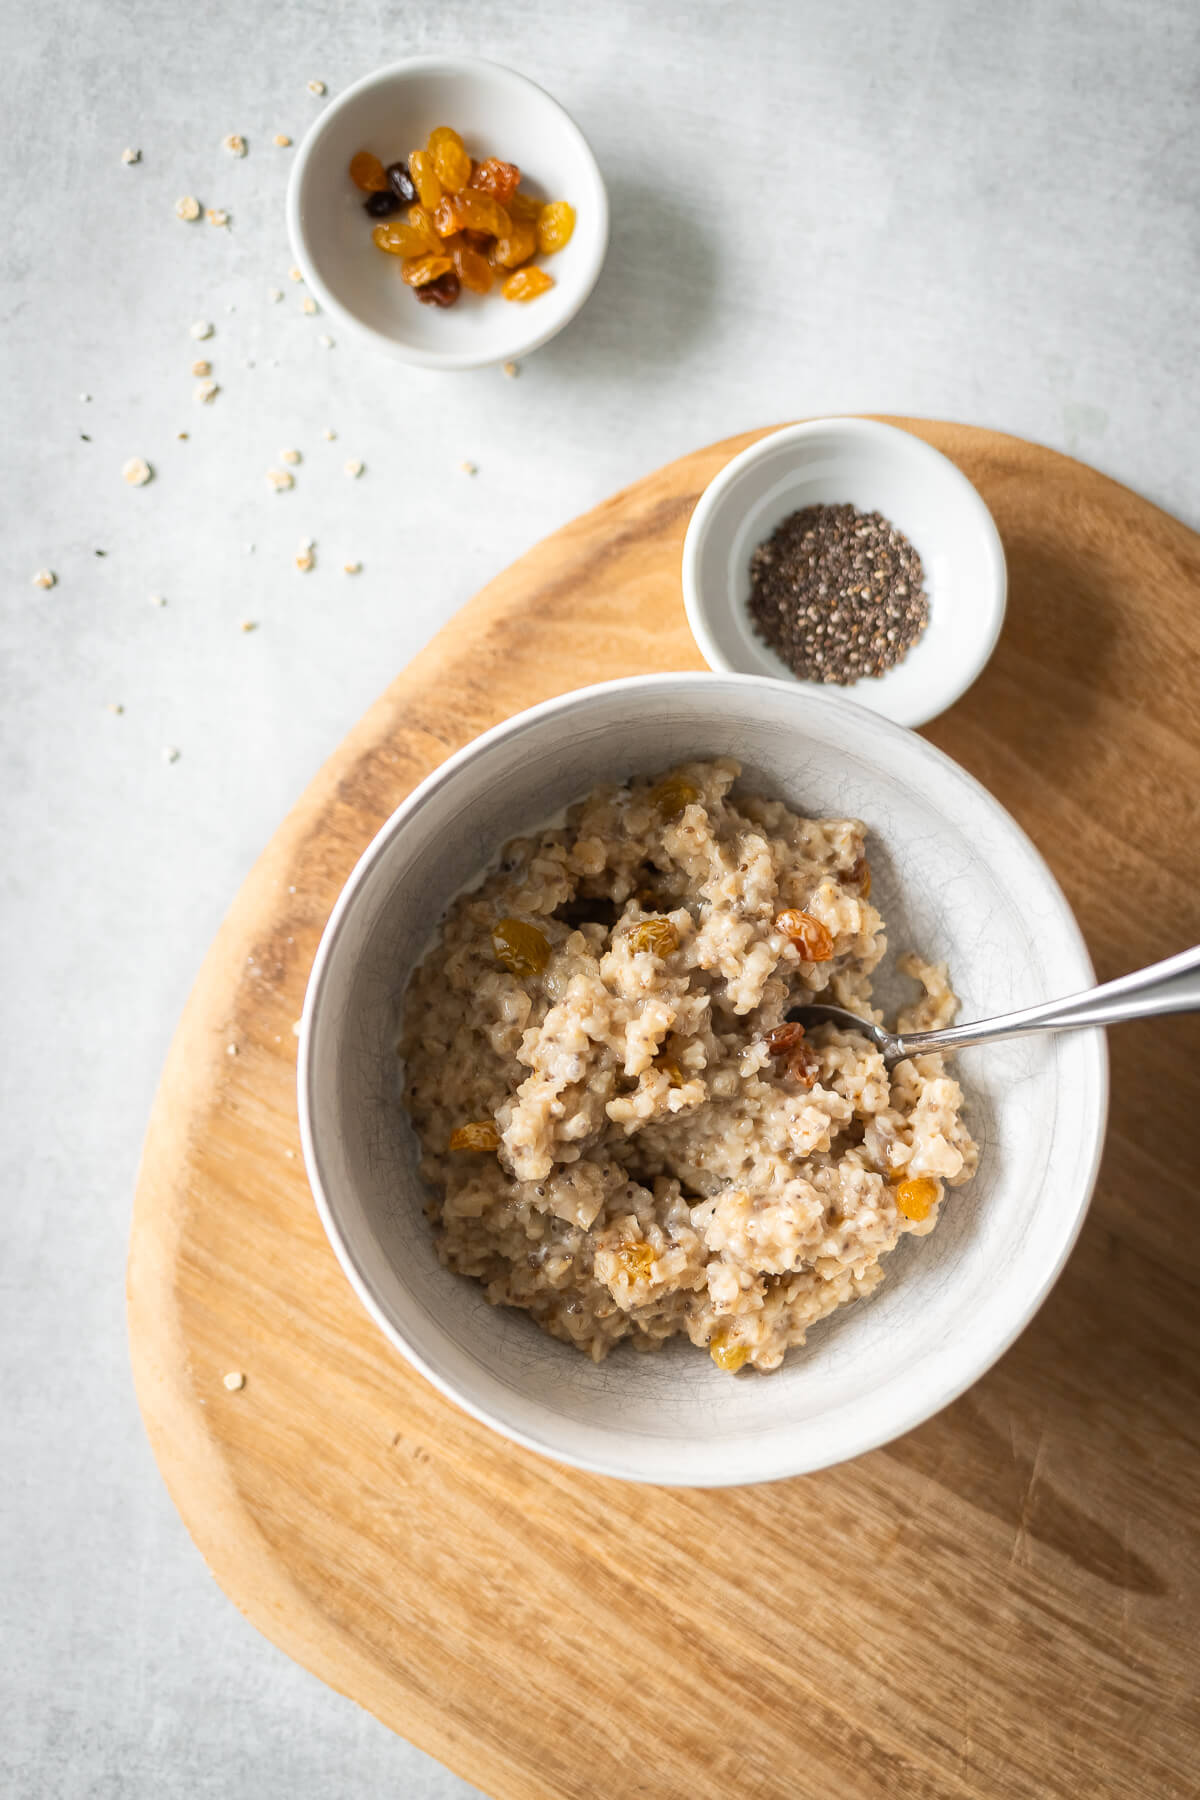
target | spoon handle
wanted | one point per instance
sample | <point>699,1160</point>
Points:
<point>1165,987</point>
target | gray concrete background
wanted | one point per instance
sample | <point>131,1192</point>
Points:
<point>983,212</point>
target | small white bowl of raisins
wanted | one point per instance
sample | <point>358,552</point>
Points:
<point>448,211</point>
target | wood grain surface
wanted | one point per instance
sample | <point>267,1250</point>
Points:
<point>1004,1603</point>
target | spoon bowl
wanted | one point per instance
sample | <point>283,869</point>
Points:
<point>1165,987</point>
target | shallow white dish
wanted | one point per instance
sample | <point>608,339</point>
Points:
<point>954,876</point>
<point>499,113</point>
<point>876,468</point>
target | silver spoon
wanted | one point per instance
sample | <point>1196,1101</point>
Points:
<point>1165,987</point>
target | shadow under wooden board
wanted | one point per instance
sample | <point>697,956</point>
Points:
<point>1004,1602</point>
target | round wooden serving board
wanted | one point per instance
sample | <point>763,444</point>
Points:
<point>1003,1603</point>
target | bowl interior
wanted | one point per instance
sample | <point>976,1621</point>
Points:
<point>875,468</point>
<point>955,879</point>
<point>497,112</point>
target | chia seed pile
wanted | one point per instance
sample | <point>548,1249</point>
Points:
<point>838,594</point>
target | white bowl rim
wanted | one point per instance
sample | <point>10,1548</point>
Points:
<point>416,355</point>
<point>425,791</point>
<point>700,609</point>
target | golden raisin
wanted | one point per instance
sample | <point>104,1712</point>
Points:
<point>480,1134</point>
<point>419,271</point>
<point>523,207</point>
<point>444,221</point>
<point>671,796</point>
<point>452,166</point>
<point>916,1197</point>
<point>521,947</point>
<point>804,1065</point>
<point>783,1037</point>
<point>659,936</point>
<point>474,271</point>
<point>425,179</point>
<point>527,284</point>
<point>441,134</point>
<point>368,173</point>
<point>500,179</point>
<point>515,248</point>
<point>810,937</point>
<point>725,1351</point>
<point>555,224</point>
<point>399,239</point>
<point>421,219</point>
<point>636,1260</point>
<point>667,1066</point>
<point>473,211</point>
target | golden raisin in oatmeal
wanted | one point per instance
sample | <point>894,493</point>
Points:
<point>621,1132</point>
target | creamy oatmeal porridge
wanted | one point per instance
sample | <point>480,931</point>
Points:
<point>620,1133</point>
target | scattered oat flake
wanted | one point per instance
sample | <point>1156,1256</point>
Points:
<point>279,479</point>
<point>354,468</point>
<point>316,87</point>
<point>206,392</point>
<point>234,1381</point>
<point>247,624</point>
<point>231,1049</point>
<point>309,305</point>
<point>170,753</point>
<point>45,578</point>
<point>249,549</point>
<point>216,215</point>
<point>308,543</point>
<point>305,561</point>
<point>248,363</point>
<point>234,143</point>
<point>289,456</point>
<point>115,706</point>
<point>282,140</point>
<point>469,468</point>
<point>274,295</point>
<point>86,398</point>
<point>202,368</point>
<point>296,1023</point>
<point>512,370</point>
<point>203,328</point>
<point>182,435</point>
<point>129,157</point>
<point>325,342</point>
<point>295,274</point>
<point>187,208</point>
<point>158,599</point>
<point>137,471</point>
<point>329,433</point>
<point>352,568</point>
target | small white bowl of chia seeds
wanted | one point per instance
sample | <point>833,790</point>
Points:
<point>849,555</point>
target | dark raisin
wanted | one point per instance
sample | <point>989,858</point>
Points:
<point>442,292</point>
<point>380,205</point>
<point>403,185</point>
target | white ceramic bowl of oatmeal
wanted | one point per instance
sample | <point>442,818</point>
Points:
<point>952,876</point>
